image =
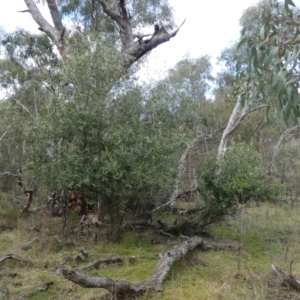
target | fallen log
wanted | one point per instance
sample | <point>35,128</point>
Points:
<point>11,256</point>
<point>122,289</point>
<point>288,279</point>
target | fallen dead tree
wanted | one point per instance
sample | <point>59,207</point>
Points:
<point>122,289</point>
<point>287,279</point>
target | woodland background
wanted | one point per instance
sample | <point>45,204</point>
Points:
<point>109,165</point>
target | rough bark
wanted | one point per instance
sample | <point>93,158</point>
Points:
<point>71,200</point>
<point>121,289</point>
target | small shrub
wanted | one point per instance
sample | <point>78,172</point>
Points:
<point>234,179</point>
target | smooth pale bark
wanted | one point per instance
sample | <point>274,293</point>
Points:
<point>3,135</point>
<point>122,289</point>
<point>237,116</point>
<point>133,47</point>
<point>287,135</point>
<point>181,170</point>
<point>56,33</point>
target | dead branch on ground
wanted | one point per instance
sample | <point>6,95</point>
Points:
<point>288,279</point>
<point>122,289</point>
<point>105,260</point>
<point>12,256</point>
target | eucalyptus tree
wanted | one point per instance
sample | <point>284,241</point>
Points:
<point>271,39</point>
<point>121,21</point>
<point>269,72</point>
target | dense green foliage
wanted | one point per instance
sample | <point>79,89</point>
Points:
<point>109,140</point>
<point>234,179</point>
<point>269,71</point>
<point>83,121</point>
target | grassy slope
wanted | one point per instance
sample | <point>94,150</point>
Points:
<point>268,234</point>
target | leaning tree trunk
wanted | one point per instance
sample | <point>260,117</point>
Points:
<point>287,135</point>
<point>181,169</point>
<point>238,114</point>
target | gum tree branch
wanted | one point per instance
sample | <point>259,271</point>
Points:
<point>121,289</point>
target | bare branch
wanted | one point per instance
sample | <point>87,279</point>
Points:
<point>120,288</point>
<point>56,33</point>
<point>181,163</point>
<point>157,39</point>
<point>105,260</point>
<point>111,13</point>
<point>3,135</point>
<point>12,256</point>
<point>28,192</point>
<point>24,107</point>
<point>242,117</point>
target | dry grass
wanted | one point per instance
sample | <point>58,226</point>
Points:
<point>268,234</point>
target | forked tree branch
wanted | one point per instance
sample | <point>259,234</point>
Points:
<point>121,289</point>
<point>132,49</point>
<point>40,20</point>
<point>235,120</point>
<point>57,32</point>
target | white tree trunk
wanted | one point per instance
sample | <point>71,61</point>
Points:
<point>285,137</point>
<point>231,123</point>
<point>238,114</point>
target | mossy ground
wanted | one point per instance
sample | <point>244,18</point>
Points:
<point>268,234</point>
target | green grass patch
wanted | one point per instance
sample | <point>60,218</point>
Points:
<point>267,235</point>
